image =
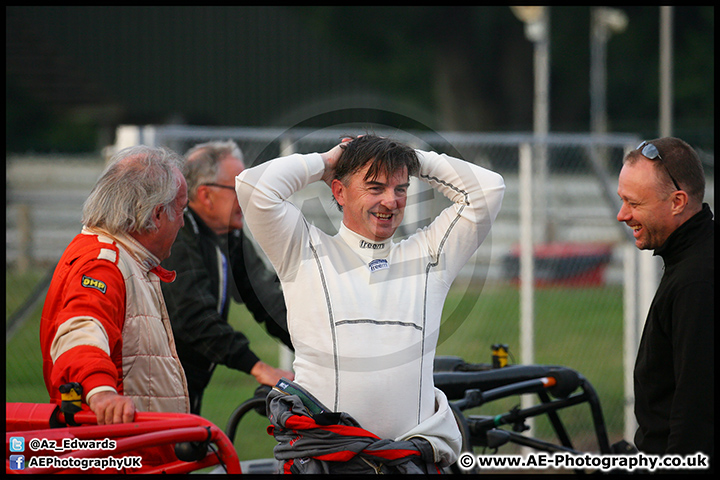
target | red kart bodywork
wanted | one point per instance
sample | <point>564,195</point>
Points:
<point>151,436</point>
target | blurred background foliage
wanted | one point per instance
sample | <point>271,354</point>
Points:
<point>74,73</point>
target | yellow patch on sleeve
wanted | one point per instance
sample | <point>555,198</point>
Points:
<point>89,282</point>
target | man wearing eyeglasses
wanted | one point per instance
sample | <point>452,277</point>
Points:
<point>662,186</point>
<point>214,261</point>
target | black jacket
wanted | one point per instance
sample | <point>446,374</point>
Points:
<point>674,371</point>
<point>197,312</point>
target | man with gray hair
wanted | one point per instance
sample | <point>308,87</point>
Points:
<point>214,261</point>
<point>104,324</point>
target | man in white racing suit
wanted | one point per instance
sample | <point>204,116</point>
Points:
<point>364,312</point>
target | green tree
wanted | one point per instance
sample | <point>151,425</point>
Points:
<point>473,67</point>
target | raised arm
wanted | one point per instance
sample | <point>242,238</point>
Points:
<point>276,224</point>
<point>477,195</point>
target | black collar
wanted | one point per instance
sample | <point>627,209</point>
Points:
<point>698,228</point>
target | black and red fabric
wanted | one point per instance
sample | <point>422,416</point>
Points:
<point>334,442</point>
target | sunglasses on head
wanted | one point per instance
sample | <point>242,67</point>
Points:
<point>650,152</point>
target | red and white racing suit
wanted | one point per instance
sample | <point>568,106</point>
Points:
<point>105,325</point>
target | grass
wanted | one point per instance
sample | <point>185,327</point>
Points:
<point>580,328</point>
<point>18,288</point>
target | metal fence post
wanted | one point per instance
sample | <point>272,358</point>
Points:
<point>527,277</point>
<point>24,227</point>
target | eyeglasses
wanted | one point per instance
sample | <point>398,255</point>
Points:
<point>218,185</point>
<point>650,152</point>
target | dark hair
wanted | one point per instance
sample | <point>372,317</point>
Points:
<point>683,163</point>
<point>386,155</point>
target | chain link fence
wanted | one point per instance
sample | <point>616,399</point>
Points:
<point>582,309</point>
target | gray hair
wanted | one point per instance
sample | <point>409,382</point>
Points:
<point>201,163</point>
<point>136,180</point>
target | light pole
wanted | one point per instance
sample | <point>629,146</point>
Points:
<point>604,22</point>
<point>666,70</point>
<point>533,207</point>
<point>537,30</point>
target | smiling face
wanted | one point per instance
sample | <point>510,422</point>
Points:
<point>373,207</point>
<point>645,208</point>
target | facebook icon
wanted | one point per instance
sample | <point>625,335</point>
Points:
<point>17,462</point>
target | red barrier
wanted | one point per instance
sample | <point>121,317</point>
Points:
<point>569,264</point>
<point>150,439</point>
